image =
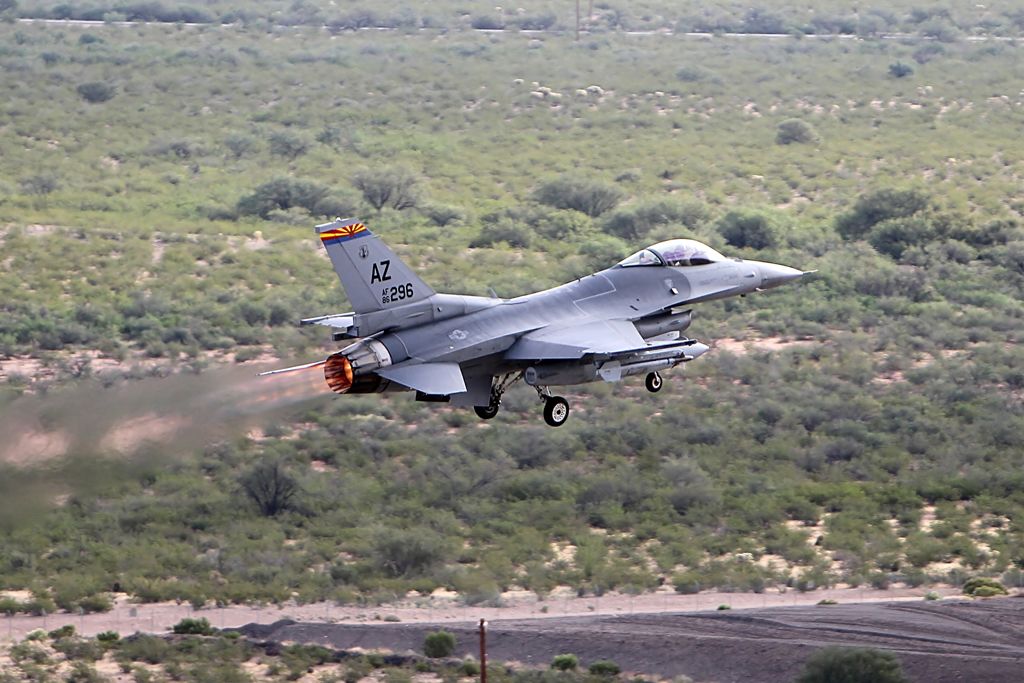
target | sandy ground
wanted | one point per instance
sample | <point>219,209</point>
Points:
<point>160,617</point>
<point>936,642</point>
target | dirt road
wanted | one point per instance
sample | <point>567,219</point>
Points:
<point>941,642</point>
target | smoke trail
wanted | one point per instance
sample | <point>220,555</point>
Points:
<point>175,413</point>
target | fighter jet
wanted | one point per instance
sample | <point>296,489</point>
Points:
<point>620,322</point>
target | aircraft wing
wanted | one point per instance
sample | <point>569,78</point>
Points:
<point>604,337</point>
<point>440,379</point>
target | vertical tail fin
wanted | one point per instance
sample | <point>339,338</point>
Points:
<point>372,275</point>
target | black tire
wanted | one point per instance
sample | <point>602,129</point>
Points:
<point>556,411</point>
<point>654,382</point>
<point>486,412</point>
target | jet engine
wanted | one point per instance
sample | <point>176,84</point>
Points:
<point>352,370</point>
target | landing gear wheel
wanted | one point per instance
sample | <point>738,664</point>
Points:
<point>654,382</point>
<point>486,412</point>
<point>556,411</point>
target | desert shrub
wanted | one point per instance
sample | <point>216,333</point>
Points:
<point>143,648</point>
<point>894,236</point>
<point>288,145</point>
<point>852,665</point>
<point>636,220</point>
<point>795,131</point>
<point>396,187</point>
<point>39,184</point>
<point>193,626</point>
<point>487,22</point>
<point>97,602</point>
<point>65,631</point>
<point>537,22</point>
<point>108,637</point>
<point>748,230</point>
<point>270,486</point>
<point>240,145</point>
<point>604,667</point>
<point>82,672</point>
<point>439,644</point>
<point>723,607</point>
<point>95,92</point>
<point>505,230</point>
<point>406,552</point>
<point>881,205</point>
<point>566,662</point>
<point>982,587</point>
<point>283,194</point>
<point>299,658</point>
<point>79,648</point>
<point>900,70</point>
<point>9,605</point>
<point>443,215</point>
<point>587,196</point>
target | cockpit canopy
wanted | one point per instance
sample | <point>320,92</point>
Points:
<point>674,253</point>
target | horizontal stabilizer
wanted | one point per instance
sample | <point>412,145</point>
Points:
<point>342,320</point>
<point>439,379</point>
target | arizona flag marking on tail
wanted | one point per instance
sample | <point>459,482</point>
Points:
<point>344,233</point>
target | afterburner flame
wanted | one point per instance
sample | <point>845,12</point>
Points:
<point>338,373</point>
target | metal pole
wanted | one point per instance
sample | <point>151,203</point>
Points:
<point>483,642</point>
<point>577,21</point>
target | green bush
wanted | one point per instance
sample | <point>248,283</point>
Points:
<point>871,209</point>
<point>96,91</point>
<point>394,187</point>
<point>282,194</point>
<point>795,131</point>
<point>99,602</point>
<point>566,662</point>
<point>634,221</point>
<point>852,665</point>
<point>900,70</point>
<point>65,631</point>
<point>604,667</point>
<point>748,230</point>
<point>9,605</point>
<point>439,644</point>
<point>983,587</point>
<point>587,196</point>
<point>193,626</point>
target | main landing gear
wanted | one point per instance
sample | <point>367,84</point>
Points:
<point>498,388</point>
<point>654,382</point>
<point>556,408</point>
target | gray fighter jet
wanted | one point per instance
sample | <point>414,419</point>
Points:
<point>468,350</point>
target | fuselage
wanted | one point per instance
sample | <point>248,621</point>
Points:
<point>618,293</point>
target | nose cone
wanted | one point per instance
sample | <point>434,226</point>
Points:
<point>774,274</point>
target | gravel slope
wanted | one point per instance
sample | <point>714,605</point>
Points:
<point>976,641</point>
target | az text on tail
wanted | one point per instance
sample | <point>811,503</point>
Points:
<point>372,275</point>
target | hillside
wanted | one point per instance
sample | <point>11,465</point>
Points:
<point>157,195</point>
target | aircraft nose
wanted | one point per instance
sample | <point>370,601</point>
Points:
<point>774,274</point>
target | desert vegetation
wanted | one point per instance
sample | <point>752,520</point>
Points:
<point>863,428</point>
